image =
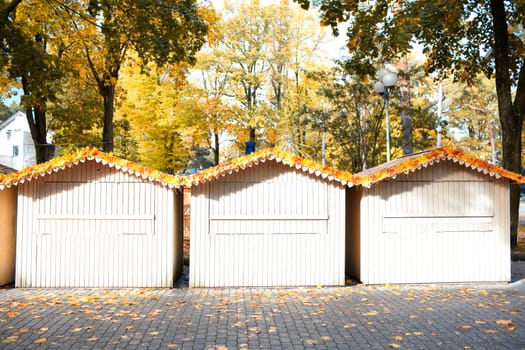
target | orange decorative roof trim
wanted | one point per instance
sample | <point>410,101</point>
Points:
<point>366,178</point>
<point>411,163</point>
<point>88,154</point>
<point>272,154</point>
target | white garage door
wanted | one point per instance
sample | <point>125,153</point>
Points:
<point>269,233</point>
<point>446,231</point>
<point>95,234</point>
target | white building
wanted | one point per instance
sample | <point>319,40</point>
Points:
<point>268,219</point>
<point>432,217</point>
<point>17,149</point>
<point>90,219</point>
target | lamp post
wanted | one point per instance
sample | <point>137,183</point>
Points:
<point>386,80</point>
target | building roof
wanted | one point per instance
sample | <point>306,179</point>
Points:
<point>11,119</point>
<point>89,154</point>
<point>414,162</point>
<point>4,169</point>
<point>271,154</point>
<point>366,178</point>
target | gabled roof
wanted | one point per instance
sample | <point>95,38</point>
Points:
<point>276,155</point>
<point>414,162</point>
<point>4,169</point>
<point>11,119</point>
<point>89,154</point>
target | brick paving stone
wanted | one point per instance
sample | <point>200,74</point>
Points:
<point>354,317</point>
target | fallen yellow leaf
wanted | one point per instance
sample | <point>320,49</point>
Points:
<point>41,341</point>
<point>394,345</point>
<point>74,330</point>
<point>504,322</point>
<point>511,329</point>
<point>466,327</point>
<point>10,339</point>
<point>480,322</point>
<point>370,313</point>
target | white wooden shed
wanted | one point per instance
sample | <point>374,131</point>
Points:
<point>90,219</point>
<point>268,219</point>
<point>437,216</point>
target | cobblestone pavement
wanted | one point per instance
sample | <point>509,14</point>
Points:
<point>353,317</point>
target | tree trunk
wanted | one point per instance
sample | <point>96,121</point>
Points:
<point>216,148</point>
<point>36,119</point>
<point>404,88</point>
<point>108,92</point>
<point>406,119</point>
<point>511,122</point>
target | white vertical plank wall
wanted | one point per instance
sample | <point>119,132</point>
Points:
<point>444,223</point>
<point>269,225</point>
<point>95,226</point>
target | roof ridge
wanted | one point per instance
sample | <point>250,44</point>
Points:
<point>280,156</point>
<point>90,153</point>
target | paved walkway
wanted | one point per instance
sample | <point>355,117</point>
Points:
<point>353,317</point>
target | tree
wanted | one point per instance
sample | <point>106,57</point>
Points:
<point>213,74</point>
<point>356,117</point>
<point>257,68</point>
<point>159,111</point>
<point>245,44</point>
<point>159,31</point>
<point>76,117</point>
<point>29,56</point>
<point>463,37</point>
<point>472,110</point>
<point>5,112</point>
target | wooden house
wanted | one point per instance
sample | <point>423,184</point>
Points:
<point>436,216</point>
<point>268,219</point>
<point>90,219</point>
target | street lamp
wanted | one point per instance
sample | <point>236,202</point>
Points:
<point>386,80</point>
